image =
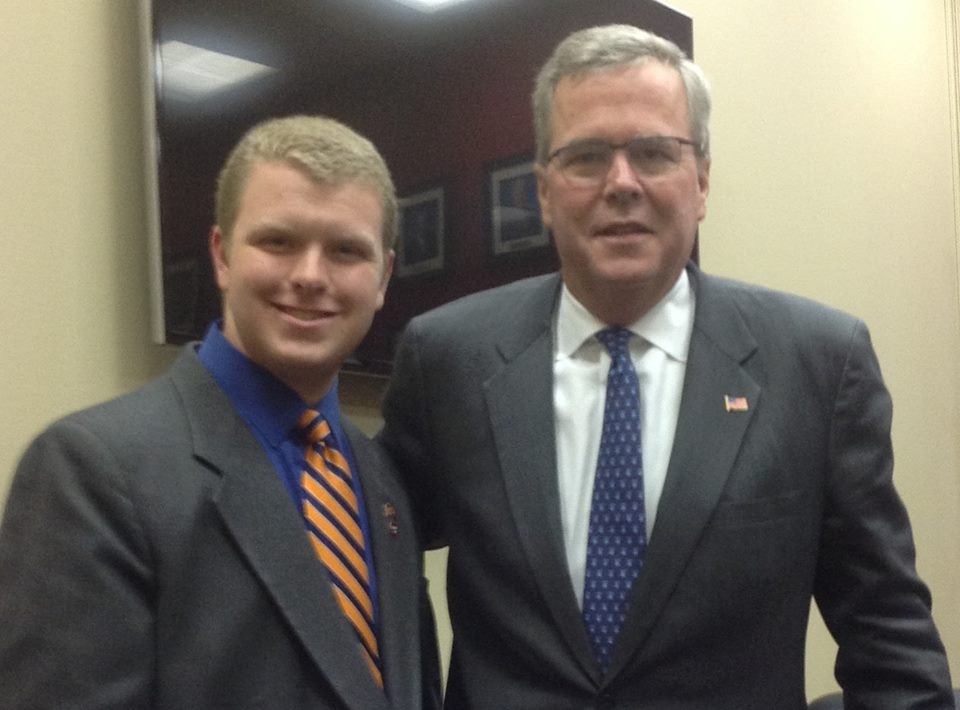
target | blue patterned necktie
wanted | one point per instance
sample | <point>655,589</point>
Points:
<point>617,535</point>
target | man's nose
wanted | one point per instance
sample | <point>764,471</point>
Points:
<point>622,177</point>
<point>310,268</point>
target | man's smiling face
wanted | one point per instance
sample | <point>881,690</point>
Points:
<point>302,274</point>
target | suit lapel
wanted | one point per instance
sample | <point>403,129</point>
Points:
<point>520,401</point>
<point>260,516</point>
<point>395,551</point>
<point>706,443</point>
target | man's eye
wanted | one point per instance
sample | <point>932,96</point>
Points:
<point>352,250</point>
<point>653,152</point>
<point>587,156</point>
<point>274,242</point>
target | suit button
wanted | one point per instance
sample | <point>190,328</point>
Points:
<point>606,702</point>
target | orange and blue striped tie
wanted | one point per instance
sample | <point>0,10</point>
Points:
<point>332,515</point>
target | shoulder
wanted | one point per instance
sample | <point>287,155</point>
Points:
<point>784,336</point>
<point>493,305</point>
<point>768,312</point>
<point>149,421</point>
<point>95,453</point>
<point>136,457</point>
<point>117,417</point>
<point>509,316</point>
<point>83,468</point>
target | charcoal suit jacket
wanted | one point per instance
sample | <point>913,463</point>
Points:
<point>150,557</point>
<point>784,497</point>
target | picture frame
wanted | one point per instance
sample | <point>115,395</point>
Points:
<point>421,244</point>
<point>514,213</point>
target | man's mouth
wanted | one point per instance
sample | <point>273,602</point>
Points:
<point>304,314</point>
<point>619,229</point>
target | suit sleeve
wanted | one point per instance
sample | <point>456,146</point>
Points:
<point>867,587</point>
<point>76,623</point>
<point>406,436</point>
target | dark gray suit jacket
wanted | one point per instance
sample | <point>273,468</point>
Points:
<point>761,510</point>
<point>150,557</point>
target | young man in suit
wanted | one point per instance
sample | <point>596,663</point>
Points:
<point>222,537</point>
<point>643,472</point>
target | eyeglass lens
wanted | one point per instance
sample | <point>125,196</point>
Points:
<point>649,156</point>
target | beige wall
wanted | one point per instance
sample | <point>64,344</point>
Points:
<point>833,177</point>
<point>73,301</point>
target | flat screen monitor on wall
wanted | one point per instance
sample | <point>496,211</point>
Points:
<point>443,94</point>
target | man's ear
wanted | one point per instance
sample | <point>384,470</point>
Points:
<point>219,251</point>
<point>543,193</point>
<point>388,261</point>
<point>703,181</point>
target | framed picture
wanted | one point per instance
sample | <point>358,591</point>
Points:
<point>420,247</point>
<point>515,224</point>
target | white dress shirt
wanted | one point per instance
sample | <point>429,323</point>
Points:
<point>580,367</point>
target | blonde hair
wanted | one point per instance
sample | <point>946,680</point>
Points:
<point>324,149</point>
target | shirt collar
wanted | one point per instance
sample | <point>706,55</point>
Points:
<point>667,326</point>
<point>261,400</point>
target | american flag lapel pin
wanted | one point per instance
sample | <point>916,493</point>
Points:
<point>390,513</point>
<point>735,404</point>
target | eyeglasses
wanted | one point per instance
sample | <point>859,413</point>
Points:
<point>587,163</point>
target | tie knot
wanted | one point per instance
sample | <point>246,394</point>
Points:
<point>313,426</point>
<point>615,340</point>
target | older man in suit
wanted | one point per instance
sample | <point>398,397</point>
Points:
<point>643,472</point>
<point>222,538</point>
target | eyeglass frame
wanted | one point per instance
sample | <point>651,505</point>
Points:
<point>614,147</point>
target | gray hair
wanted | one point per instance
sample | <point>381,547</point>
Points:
<point>324,149</point>
<point>598,48</point>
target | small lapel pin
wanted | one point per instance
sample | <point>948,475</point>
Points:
<point>735,404</point>
<point>390,513</point>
